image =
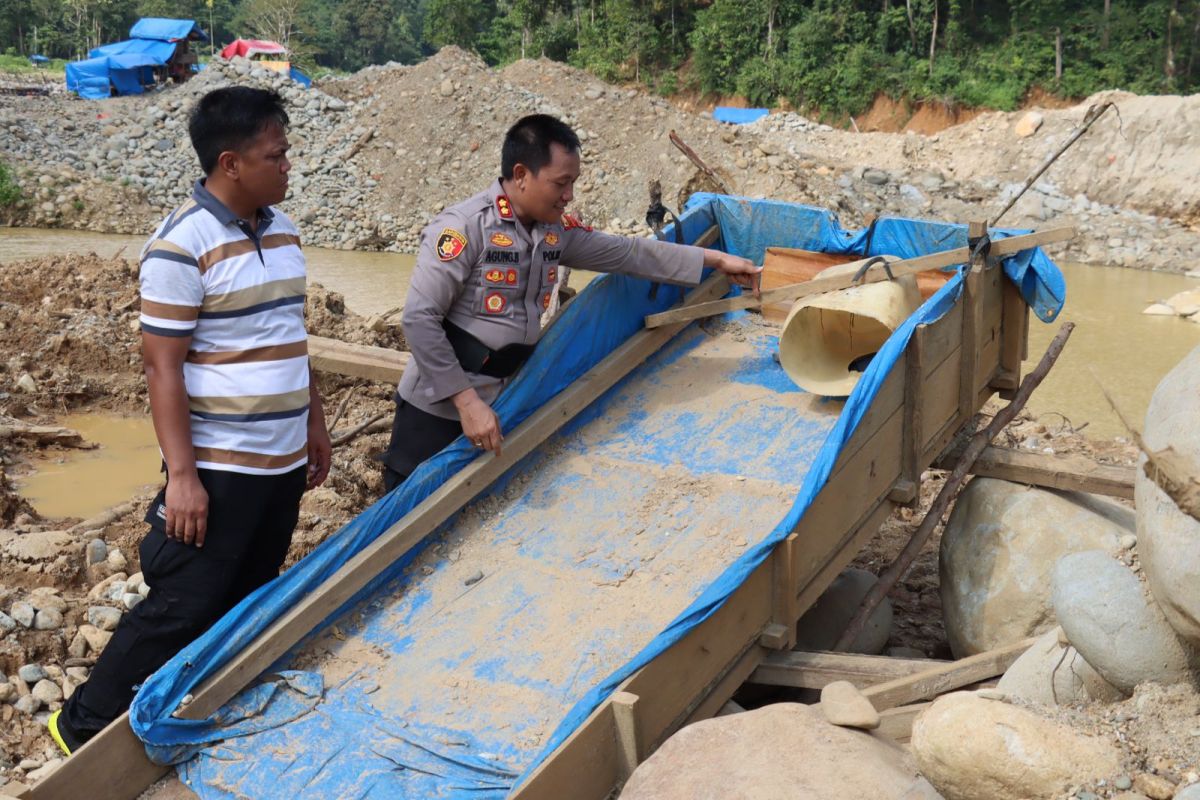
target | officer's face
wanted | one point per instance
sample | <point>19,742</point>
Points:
<point>262,166</point>
<point>545,194</point>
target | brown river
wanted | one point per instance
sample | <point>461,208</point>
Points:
<point>1113,341</point>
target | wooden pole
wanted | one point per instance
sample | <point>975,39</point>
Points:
<point>844,277</point>
<point>1090,117</point>
<point>976,446</point>
<point>699,162</point>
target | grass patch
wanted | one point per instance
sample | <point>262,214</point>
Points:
<point>19,65</point>
<point>10,192</point>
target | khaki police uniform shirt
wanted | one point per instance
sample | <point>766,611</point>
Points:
<point>480,268</point>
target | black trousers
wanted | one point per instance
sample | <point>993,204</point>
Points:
<point>416,435</point>
<point>250,524</point>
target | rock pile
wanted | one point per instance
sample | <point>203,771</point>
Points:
<point>379,152</point>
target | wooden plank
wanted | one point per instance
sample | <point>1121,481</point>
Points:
<point>815,670</point>
<point>628,741</point>
<point>1014,331</point>
<point>785,613</point>
<point>686,674</point>
<point>1065,472</point>
<point>669,689</point>
<point>969,352</point>
<point>111,766</point>
<point>822,574</point>
<point>730,681</point>
<point>945,677</point>
<point>357,360</point>
<point>783,266</point>
<point>729,708</point>
<point>914,400</point>
<point>424,519</point>
<point>896,723</point>
<point>584,766</point>
<point>844,278</point>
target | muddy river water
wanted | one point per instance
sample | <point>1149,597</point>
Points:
<point>1128,351</point>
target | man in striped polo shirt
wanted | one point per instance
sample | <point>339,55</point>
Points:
<point>237,415</point>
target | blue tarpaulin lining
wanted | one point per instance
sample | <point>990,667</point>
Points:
<point>168,30</point>
<point>739,116</point>
<point>604,316</point>
<point>155,51</point>
<point>88,78</point>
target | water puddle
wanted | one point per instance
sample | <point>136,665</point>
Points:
<point>84,483</point>
<point>1129,351</point>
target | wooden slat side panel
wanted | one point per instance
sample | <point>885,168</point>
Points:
<point>867,477</point>
<point>668,688</point>
<point>586,766</point>
<point>671,684</point>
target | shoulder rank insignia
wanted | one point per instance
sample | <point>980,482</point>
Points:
<point>569,222</point>
<point>450,244</point>
<point>504,207</point>
<point>500,240</point>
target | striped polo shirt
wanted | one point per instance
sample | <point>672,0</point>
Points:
<point>239,295</point>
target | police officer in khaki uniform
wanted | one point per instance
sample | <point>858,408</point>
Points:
<point>487,270</point>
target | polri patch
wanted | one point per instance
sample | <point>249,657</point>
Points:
<point>504,207</point>
<point>552,274</point>
<point>510,277</point>
<point>494,276</point>
<point>545,301</point>
<point>495,303</point>
<point>500,240</point>
<point>450,244</point>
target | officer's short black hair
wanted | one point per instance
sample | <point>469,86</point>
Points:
<point>528,142</point>
<point>226,119</point>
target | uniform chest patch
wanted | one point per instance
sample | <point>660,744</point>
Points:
<point>545,301</point>
<point>450,244</point>
<point>495,303</point>
<point>551,239</point>
<point>501,257</point>
<point>508,277</point>
<point>551,255</point>
<point>552,274</point>
<point>501,240</point>
<point>504,207</point>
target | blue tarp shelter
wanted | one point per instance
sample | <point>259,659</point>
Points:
<point>128,66</point>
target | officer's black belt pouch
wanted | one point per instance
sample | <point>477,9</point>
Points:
<point>477,357</point>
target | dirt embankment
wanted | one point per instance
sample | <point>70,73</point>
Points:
<point>68,329</point>
<point>379,152</point>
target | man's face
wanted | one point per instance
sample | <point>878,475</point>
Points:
<point>544,195</point>
<point>263,166</point>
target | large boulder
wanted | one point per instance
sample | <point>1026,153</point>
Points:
<point>1114,623</point>
<point>1053,673</point>
<point>971,748</point>
<point>999,546</point>
<point>783,750</point>
<point>823,624</point>
<point>1167,537</point>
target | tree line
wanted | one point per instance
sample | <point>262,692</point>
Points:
<point>827,56</point>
